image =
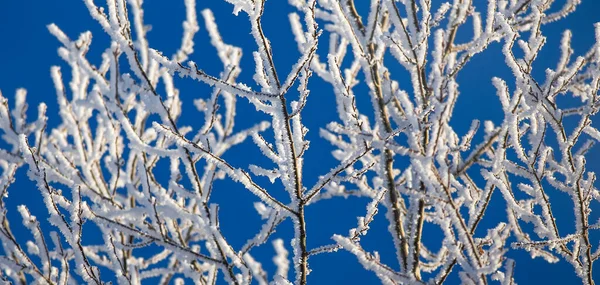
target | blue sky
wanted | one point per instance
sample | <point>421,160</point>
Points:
<point>27,51</point>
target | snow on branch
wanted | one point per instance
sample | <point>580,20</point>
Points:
<point>122,166</point>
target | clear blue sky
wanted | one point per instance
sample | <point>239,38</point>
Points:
<point>27,51</point>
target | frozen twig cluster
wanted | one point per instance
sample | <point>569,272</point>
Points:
<point>98,166</point>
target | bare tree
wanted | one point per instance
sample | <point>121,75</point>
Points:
<point>99,165</point>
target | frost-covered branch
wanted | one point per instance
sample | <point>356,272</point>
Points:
<point>120,165</point>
